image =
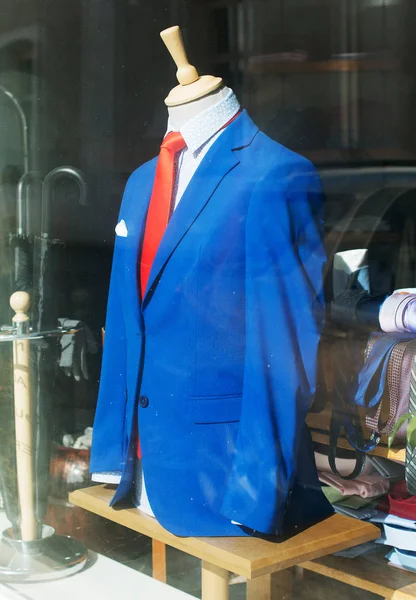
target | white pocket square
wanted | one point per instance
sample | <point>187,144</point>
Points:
<point>121,229</point>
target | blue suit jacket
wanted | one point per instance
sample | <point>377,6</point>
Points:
<point>218,362</point>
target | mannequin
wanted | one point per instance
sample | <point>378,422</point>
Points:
<point>213,360</point>
<point>207,93</point>
<point>181,113</point>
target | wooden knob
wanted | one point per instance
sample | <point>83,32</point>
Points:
<point>20,303</point>
<point>173,41</point>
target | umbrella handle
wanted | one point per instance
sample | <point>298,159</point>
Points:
<point>20,302</point>
<point>47,188</point>
<point>22,204</point>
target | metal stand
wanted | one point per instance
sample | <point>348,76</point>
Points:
<point>30,558</point>
<point>52,557</point>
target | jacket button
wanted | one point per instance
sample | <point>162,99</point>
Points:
<point>144,401</point>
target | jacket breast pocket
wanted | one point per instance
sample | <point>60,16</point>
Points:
<point>215,409</point>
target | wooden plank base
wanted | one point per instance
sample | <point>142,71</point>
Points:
<point>250,557</point>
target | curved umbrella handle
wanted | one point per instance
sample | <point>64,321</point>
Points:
<point>22,204</point>
<point>47,188</point>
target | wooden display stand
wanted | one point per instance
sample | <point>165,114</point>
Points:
<point>262,562</point>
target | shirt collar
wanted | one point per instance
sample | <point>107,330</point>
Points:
<point>204,126</point>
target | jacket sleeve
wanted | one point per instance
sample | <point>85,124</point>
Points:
<point>108,445</point>
<point>284,305</point>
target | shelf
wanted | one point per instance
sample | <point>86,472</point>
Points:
<point>268,66</point>
<point>360,156</point>
<point>397,453</point>
<point>369,572</point>
<point>319,423</point>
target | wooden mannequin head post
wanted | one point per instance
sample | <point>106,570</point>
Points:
<point>191,85</point>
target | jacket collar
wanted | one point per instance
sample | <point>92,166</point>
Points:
<point>199,130</point>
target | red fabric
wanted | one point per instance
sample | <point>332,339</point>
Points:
<point>402,504</point>
<point>160,209</point>
<point>160,204</point>
<point>399,502</point>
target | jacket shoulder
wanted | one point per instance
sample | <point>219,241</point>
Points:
<point>142,173</point>
<point>279,160</point>
<point>140,177</point>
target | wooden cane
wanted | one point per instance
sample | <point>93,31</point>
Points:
<point>20,302</point>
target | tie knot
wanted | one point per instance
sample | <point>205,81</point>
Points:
<point>174,142</point>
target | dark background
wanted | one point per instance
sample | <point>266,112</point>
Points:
<point>332,79</point>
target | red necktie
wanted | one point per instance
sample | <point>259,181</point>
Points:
<point>160,207</point>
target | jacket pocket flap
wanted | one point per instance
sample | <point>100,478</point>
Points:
<point>215,409</point>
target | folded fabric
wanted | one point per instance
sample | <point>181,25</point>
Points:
<point>332,495</point>
<point>400,502</point>
<point>404,559</point>
<point>387,468</point>
<point>345,466</point>
<point>357,502</point>
<point>361,513</point>
<point>388,519</point>
<point>398,537</point>
<point>366,486</point>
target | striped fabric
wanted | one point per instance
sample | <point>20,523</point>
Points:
<point>411,452</point>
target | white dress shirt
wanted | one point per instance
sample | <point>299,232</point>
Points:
<point>199,134</point>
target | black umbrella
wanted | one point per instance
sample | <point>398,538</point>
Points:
<point>49,297</point>
<point>21,242</point>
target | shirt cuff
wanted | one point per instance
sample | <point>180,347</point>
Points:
<point>107,477</point>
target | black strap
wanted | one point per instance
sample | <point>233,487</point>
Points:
<point>348,359</point>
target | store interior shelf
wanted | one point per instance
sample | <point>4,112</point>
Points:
<point>319,423</point>
<point>268,66</point>
<point>359,156</point>
<point>368,572</point>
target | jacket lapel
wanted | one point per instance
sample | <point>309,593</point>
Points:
<point>219,161</point>
<point>135,220</point>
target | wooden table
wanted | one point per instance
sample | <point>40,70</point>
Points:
<point>265,564</point>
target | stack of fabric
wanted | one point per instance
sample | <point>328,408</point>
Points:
<point>358,497</point>
<point>397,516</point>
<point>380,495</point>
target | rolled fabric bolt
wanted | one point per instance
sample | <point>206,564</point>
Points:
<point>409,316</point>
<point>398,313</point>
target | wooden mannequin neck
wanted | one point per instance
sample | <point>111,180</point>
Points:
<point>180,115</point>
